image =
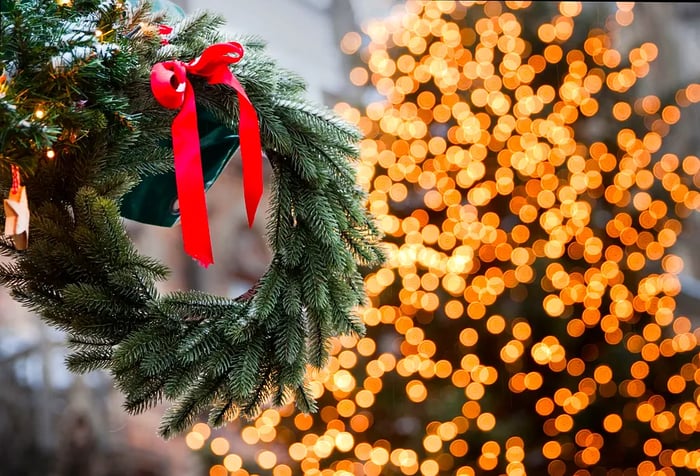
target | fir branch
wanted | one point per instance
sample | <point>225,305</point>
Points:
<point>265,301</point>
<point>88,360</point>
<point>290,338</point>
<point>222,413</point>
<point>304,401</point>
<point>259,394</point>
<point>181,415</point>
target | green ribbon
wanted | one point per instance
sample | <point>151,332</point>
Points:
<point>154,200</point>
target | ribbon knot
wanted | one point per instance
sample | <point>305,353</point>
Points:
<point>173,90</point>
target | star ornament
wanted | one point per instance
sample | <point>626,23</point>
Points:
<point>3,84</point>
<point>17,218</point>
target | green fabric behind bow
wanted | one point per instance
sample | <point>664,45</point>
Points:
<point>154,200</point>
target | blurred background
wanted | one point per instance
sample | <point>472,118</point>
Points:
<point>494,345</point>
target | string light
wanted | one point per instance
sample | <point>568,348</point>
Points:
<point>39,113</point>
<point>101,34</point>
<point>50,154</point>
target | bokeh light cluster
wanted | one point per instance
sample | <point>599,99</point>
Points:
<point>526,322</point>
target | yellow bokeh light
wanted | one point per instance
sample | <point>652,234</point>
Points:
<point>194,440</point>
<point>218,470</point>
<point>219,446</point>
<point>233,462</point>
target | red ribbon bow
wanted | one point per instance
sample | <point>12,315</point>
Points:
<point>173,90</point>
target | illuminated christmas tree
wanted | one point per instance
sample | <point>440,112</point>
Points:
<point>526,322</point>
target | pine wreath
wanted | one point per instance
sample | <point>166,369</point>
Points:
<point>79,120</point>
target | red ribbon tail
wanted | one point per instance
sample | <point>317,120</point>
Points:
<point>251,150</point>
<point>251,153</point>
<point>190,183</point>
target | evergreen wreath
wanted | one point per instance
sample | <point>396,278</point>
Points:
<point>86,65</point>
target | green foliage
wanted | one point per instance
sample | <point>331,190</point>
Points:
<point>82,273</point>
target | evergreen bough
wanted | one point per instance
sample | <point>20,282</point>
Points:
<point>82,273</point>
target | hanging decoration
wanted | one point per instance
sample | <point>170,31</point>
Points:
<point>140,120</point>
<point>17,212</point>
